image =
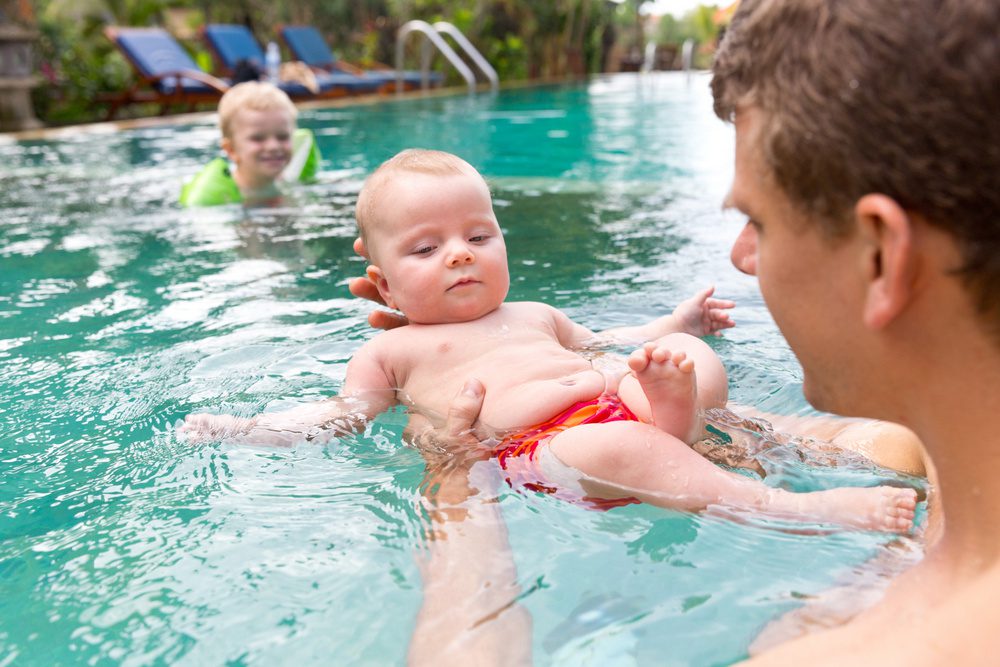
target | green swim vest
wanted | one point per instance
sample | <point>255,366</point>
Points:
<point>214,184</point>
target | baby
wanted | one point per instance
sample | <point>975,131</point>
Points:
<point>600,437</point>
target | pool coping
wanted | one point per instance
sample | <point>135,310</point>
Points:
<point>109,127</point>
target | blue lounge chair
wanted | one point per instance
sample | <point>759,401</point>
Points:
<point>307,44</point>
<point>231,43</point>
<point>163,66</point>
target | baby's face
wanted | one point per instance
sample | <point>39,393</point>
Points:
<point>438,252</point>
<point>261,144</point>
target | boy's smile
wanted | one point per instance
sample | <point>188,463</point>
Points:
<point>260,146</point>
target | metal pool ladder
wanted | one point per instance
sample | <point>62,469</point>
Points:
<point>433,38</point>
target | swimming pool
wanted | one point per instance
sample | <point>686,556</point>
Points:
<point>120,313</point>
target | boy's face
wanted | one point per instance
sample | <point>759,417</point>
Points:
<point>261,144</point>
<point>436,248</point>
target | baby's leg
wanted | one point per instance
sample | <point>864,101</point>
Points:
<point>673,381</point>
<point>669,383</point>
<point>632,459</point>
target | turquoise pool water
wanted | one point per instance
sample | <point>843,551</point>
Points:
<point>120,313</point>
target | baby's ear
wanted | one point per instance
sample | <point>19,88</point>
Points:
<point>376,276</point>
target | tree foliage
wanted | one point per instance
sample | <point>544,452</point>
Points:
<point>520,38</point>
<point>698,25</point>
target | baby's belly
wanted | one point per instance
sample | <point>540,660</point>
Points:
<point>537,401</point>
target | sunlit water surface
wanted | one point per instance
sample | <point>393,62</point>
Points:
<point>120,313</point>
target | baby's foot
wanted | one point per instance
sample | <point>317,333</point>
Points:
<point>203,427</point>
<point>670,384</point>
<point>886,508</point>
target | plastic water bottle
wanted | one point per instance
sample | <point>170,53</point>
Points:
<point>272,61</point>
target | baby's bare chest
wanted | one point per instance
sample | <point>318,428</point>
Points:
<point>430,370</point>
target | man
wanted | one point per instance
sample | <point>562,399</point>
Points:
<point>867,155</point>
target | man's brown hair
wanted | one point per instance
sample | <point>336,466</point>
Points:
<point>899,97</point>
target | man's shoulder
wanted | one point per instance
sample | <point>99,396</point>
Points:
<point>958,630</point>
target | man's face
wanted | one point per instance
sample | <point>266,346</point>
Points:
<point>806,279</point>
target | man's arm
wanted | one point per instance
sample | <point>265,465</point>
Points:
<point>470,612</point>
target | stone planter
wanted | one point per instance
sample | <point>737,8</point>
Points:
<point>16,78</point>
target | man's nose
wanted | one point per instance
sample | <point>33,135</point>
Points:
<point>744,252</point>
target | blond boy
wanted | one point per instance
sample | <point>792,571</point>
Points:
<point>257,121</point>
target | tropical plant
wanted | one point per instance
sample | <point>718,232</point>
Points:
<point>521,38</point>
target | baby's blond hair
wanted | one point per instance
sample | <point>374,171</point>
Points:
<point>256,95</point>
<point>411,160</point>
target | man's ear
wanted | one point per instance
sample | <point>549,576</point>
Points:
<point>376,276</point>
<point>890,265</point>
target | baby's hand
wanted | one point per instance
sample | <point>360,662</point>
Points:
<point>702,315</point>
<point>202,427</point>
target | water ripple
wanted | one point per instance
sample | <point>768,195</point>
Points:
<point>120,543</point>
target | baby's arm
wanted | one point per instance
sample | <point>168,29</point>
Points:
<point>283,428</point>
<point>701,315</point>
<point>366,393</point>
<point>570,334</point>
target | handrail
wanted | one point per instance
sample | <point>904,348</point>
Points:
<point>687,54</point>
<point>649,58</point>
<point>432,38</point>
<point>471,51</point>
